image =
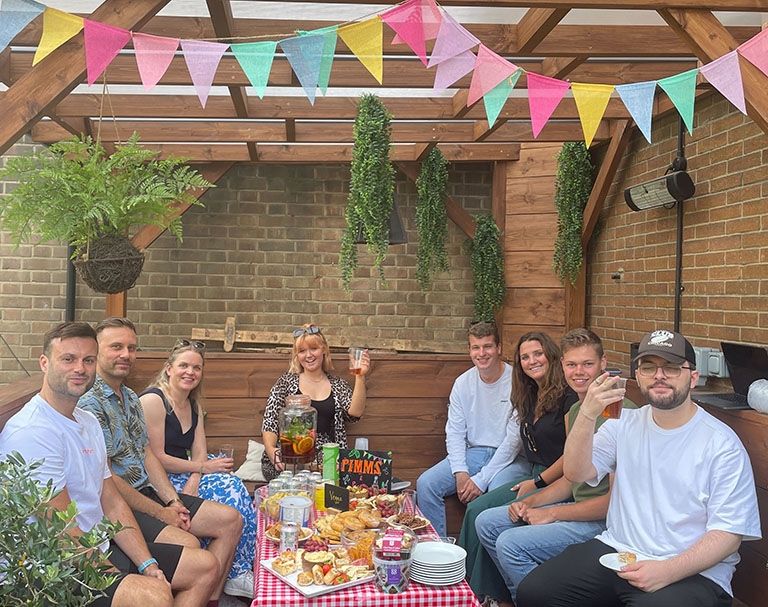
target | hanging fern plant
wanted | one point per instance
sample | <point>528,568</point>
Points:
<point>573,184</point>
<point>372,187</point>
<point>431,217</point>
<point>487,261</point>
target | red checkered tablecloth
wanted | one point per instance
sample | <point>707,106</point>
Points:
<point>272,592</point>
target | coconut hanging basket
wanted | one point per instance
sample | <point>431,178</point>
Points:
<point>110,265</point>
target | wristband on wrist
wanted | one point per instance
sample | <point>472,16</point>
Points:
<point>146,564</point>
<point>175,499</point>
<point>540,482</point>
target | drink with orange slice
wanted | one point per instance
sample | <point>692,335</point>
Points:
<point>298,429</point>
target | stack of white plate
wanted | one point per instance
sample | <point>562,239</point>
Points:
<point>438,564</point>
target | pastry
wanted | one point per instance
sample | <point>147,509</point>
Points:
<point>627,558</point>
<point>317,574</point>
<point>305,579</point>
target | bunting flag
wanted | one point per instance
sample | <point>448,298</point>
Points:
<point>326,59</point>
<point>414,22</point>
<point>202,59</point>
<point>58,27</point>
<point>366,41</point>
<point>591,101</point>
<point>153,56</point>
<point>305,54</point>
<point>755,50</point>
<point>15,15</point>
<point>452,39</point>
<point>256,60</point>
<point>544,93</point>
<point>102,44</point>
<point>490,69</point>
<point>638,98</point>
<point>724,74</point>
<point>495,99</point>
<point>451,70</point>
<point>681,90</point>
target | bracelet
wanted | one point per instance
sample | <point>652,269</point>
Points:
<point>201,469</point>
<point>146,564</point>
<point>175,499</point>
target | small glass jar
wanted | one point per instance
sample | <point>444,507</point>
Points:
<point>392,554</point>
<point>298,429</point>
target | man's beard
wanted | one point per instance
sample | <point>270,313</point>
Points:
<point>671,401</point>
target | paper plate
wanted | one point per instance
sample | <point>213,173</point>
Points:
<point>611,560</point>
<point>438,553</point>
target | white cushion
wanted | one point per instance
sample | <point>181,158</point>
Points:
<point>757,397</point>
<point>251,468</point>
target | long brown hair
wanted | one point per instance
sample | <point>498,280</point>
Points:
<point>527,397</point>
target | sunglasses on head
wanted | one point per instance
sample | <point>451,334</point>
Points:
<point>184,343</point>
<point>310,330</point>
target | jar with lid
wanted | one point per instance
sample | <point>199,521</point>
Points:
<point>392,554</point>
<point>298,429</point>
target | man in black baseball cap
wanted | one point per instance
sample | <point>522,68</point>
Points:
<point>672,347</point>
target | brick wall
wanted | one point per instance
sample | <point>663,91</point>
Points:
<point>265,250</point>
<point>725,238</point>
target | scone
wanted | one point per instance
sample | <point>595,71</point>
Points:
<point>305,579</point>
<point>627,558</point>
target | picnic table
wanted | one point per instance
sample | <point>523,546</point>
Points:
<point>270,591</point>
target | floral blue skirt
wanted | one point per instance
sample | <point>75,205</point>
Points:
<point>229,489</point>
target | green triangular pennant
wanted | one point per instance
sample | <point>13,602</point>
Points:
<point>681,90</point>
<point>495,99</point>
<point>256,60</point>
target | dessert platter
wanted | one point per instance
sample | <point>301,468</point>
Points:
<point>412,521</point>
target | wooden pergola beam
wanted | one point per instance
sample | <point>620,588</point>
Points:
<point>715,5</point>
<point>54,77</point>
<point>576,294</point>
<point>560,67</point>
<point>708,39</point>
<point>536,25</point>
<point>456,213</point>
<point>116,304</point>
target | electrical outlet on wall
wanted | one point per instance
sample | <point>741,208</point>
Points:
<point>716,366</point>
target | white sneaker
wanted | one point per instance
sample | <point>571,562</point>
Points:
<point>242,585</point>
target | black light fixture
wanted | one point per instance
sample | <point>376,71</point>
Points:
<point>397,233</point>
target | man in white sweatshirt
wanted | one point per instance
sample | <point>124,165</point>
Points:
<point>482,435</point>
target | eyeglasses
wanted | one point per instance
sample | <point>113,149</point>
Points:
<point>310,330</point>
<point>185,343</point>
<point>527,432</point>
<point>649,370</point>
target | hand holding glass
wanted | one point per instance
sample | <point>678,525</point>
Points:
<point>227,451</point>
<point>356,360</point>
<point>613,410</point>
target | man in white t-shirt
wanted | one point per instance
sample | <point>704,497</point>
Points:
<point>482,436</point>
<point>70,443</point>
<point>683,497</point>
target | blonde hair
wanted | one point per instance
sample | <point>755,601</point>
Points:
<point>161,379</point>
<point>310,340</point>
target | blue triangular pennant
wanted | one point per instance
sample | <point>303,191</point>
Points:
<point>638,98</point>
<point>15,15</point>
<point>305,54</point>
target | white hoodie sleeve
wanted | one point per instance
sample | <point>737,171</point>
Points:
<point>504,456</point>
<point>456,433</point>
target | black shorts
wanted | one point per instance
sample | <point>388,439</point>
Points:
<point>167,556</point>
<point>150,526</point>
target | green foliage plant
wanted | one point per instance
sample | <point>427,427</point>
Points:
<point>431,217</point>
<point>41,563</point>
<point>372,187</point>
<point>74,192</point>
<point>487,261</point>
<point>573,184</point>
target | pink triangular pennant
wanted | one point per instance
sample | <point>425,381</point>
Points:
<point>755,50</point>
<point>452,39</point>
<point>414,22</point>
<point>544,94</point>
<point>490,70</point>
<point>202,60</point>
<point>153,56</point>
<point>450,70</point>
<point>725,75</point>
<point>102,44</point>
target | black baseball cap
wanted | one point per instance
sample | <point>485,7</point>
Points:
<point>669,345</point>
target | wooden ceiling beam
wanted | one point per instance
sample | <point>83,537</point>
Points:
<point>325,108</point>
<point>325,152</point>
<point>71,126</point>
<point>560,67</point>
<point>40,89</point>
<point>536,25</point>
<point>708,39</point>
<point>428,133</point>
<point>5,66</point>
<point>715,5</point>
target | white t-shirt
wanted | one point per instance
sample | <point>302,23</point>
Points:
<point>74,453</point>
<point>480,415</point>
<point>673,486</point>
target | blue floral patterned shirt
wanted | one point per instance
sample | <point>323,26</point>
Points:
<point>125,431</point>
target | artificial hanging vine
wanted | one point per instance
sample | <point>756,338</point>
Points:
<point>487,261</point>
<point>431,217</point>
<point>573,184</point>
<point>372,187</point>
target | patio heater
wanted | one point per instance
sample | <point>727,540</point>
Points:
<point>668,191</point>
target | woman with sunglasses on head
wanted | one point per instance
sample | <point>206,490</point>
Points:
<point>540,398</point>
<point>172,410</point>
<point>310,373</point>
<point>539,526</point>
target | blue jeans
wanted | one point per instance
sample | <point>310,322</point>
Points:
<point>518,548</point>
<point>435,484</point>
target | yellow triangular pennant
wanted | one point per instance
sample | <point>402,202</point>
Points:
<point>591,101</point>
<point>365,40</point>
<point>58,27</point>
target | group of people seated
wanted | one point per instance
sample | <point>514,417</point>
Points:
<point>550,485</point>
